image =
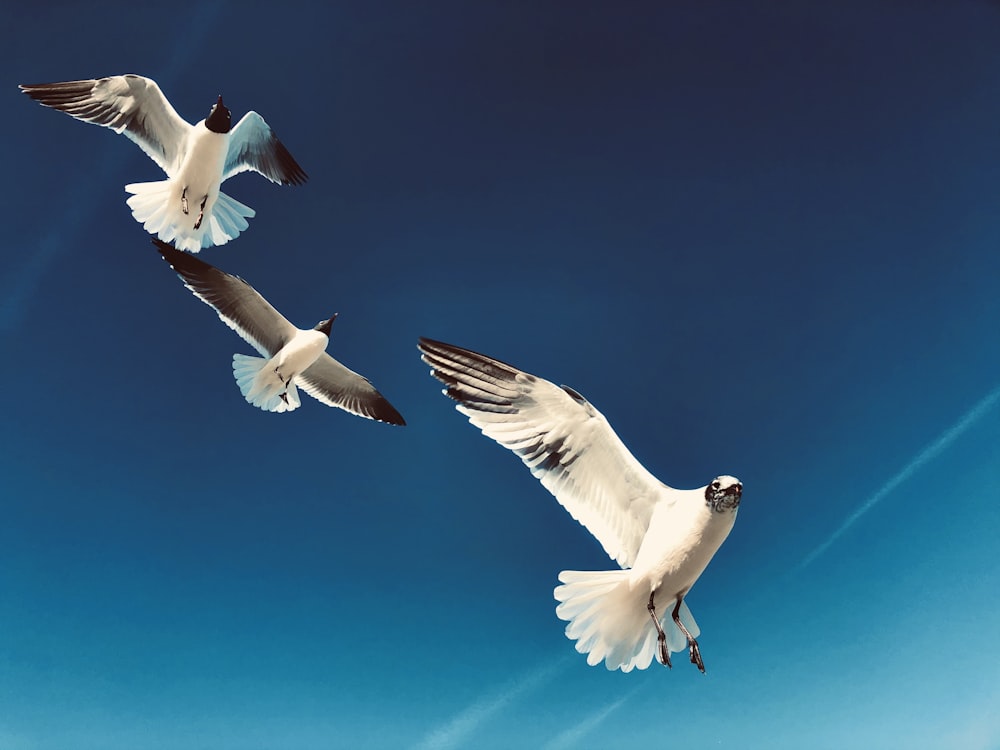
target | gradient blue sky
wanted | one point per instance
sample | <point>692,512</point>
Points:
<point>763,237</point>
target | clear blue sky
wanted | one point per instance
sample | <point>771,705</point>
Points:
<point>762,237</point>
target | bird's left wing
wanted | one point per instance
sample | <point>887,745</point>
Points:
<point>253,145</point>
<point>335,385</point>
<point>239,305</point>
<point>131,105</point>
<point>566,443</point>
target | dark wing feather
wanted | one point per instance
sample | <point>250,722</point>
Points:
<point>566,443</point>
<point>131,105</point>
<point>335,385</point>
<point>237,303</point>
<point>253,145</point>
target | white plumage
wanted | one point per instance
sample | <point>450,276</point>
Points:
<point>187,209</point>
<point>662,537</point>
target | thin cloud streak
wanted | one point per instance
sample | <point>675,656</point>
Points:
<point>79,202</point>
<point>570,737</point>
<point>457,731</point>
<point>929,453</point>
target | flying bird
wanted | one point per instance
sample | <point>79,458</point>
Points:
<point>662,538</point>
<point>291,358</point>
<point>187,208</point>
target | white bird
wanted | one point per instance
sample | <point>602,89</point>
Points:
<point>662,537</point>
<point>187,208</point>
<point>292,357</point>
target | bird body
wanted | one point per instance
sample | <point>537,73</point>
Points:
<point>683,535</point>
<point>188,208</point>
<point>270,383</point>
<point>608,610</point>
<point>663,538</point>
<point>299,353</point>
<point>185,208</point>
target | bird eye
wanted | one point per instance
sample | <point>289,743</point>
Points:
<point>716,485</point>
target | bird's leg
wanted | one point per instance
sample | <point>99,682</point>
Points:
<point>284,393</point>
<point>695,652</point>
<point>661,637</point>
<point>201,212</point>
<point>184,200</point>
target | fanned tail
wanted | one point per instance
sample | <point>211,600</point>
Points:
<point>158,207</point>
<point>610,622</point>
<point>262,388</point>
<point>228,219</point>
<point>150,203</point>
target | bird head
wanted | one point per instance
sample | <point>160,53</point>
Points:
<point>219,120</point>
<point>325,325</point>
<point>724,493</point>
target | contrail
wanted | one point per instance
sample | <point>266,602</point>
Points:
<point>78,203</point>
<point>456,732</point>
<point>577,732</point>
<point>932,451</point>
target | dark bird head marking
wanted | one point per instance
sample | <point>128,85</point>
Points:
<point>325,325</point>
<point>724,493</point>
<point>219,120</point>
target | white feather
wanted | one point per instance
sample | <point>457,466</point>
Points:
<point>262,387</point>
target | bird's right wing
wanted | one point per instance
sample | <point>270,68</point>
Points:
<point>131,105</point>
<point>335,385</point>
<point>566,443</point>
<point>254,146</point>
<point>239,305</point>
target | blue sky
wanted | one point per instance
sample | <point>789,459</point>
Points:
<point>763,238</point>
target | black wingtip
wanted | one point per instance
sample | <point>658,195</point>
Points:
<point>432,346</point>
<point>168,251</point>
<point>33,91</point>
<point>496,367</point>
<point>183,263</point>
<point>294,174</point>
<point>386,412</point>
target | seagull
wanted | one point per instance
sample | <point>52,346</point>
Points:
<point>661,537</point>
<point>291,358</point>
<point>187,208</point>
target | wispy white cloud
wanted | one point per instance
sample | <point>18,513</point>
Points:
<point>456,731</point>
<point>928,454</point>
<point>571,736</point>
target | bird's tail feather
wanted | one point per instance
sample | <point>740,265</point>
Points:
<point>158,207</point>
<point>263,388</point>
<point>610,621</point>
